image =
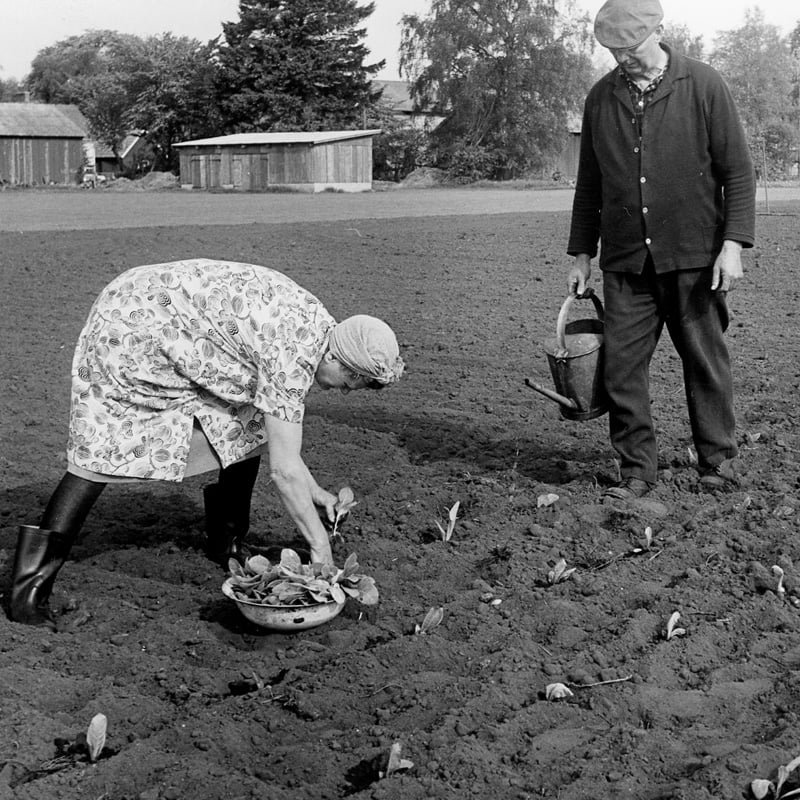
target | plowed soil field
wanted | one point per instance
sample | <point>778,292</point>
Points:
<point>202,704</point>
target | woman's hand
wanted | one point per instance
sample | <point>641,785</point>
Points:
<point>321,553</point>
<point>326,500</point>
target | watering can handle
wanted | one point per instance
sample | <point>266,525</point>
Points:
<point>564,313</point>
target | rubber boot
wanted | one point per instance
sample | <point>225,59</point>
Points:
<point>227,511</point>
<point>40,555</point>
<point>224,538</point>
<point>42,551</point>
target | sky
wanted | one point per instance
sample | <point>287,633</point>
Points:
<point>28,26</point>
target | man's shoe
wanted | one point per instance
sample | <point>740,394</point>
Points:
<point>628,489</point>
<point>719,477</point>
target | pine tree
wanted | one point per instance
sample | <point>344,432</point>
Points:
<point>295,65</point>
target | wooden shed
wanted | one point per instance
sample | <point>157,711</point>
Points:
<point>257,162</point>
<point>39,144</point>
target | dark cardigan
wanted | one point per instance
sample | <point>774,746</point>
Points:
<point>691,186</point>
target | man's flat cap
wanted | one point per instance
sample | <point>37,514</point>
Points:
<point>620,24</point>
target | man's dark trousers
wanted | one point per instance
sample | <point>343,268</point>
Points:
<point>636,309</point>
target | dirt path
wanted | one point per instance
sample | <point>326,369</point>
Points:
<point>42,210</point>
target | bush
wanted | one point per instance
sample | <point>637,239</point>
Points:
<point>397,153</point>
<point>469,163</point>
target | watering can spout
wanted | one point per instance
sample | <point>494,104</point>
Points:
<point>559,398</point>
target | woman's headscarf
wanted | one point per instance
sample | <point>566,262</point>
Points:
<point>367,345</point>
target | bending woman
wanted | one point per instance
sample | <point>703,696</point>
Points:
<point>192,366</point>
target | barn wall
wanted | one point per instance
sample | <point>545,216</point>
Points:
<point>349,161</point>
<point>32,161</point>
<point>254,168</point>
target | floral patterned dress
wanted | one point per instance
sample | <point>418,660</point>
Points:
<point>167,344</point>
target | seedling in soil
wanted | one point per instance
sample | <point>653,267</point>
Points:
<point>644,543</point>
<point>96,736</point>
<point>672,631</point>
<point>395,762</point>
<point>778,573</point>
<point>432,619</point>
<point>560,572</point>
<point>343,505</point>
<point>447,533</point>
<point>89,746</point>
<point>762,788</point>
<point>557,691</point>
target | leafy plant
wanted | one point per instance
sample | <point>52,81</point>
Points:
<point>289,582</point>
<point>559,572</point>
<point>447,533</point>
<point>762,788</point>
<point>345,502</point>
<point>672,631</point>
<point>432,619</point>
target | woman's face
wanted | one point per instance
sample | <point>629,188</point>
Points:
<point>332,374</point>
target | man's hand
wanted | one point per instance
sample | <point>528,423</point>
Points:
<point>727,267</point>
<point>579,274</point>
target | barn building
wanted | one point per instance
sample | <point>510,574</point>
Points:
<point>39,144</point>
<point>255,162</point>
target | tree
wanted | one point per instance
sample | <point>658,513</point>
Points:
<point>680,38</point>
<point>506,74</point>
<point>794,47</point>
<point>295,64</point>
<point>10,90</point>
<point>175,95</point>
<point>162,86</point>
<point>96,71</point>
<point>756,63</point>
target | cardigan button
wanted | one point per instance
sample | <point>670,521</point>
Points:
<point>643,179</point>
<point>648,241</point>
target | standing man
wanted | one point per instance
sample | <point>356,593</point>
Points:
<point>666,184</point>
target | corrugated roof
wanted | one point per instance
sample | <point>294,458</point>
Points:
<point>38,120</point>
<point>281,137</point>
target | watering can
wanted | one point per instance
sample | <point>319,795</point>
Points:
<point>575,357</point>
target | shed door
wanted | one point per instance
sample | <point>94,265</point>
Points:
<point>261,168</point>
<point>237,172</point>
<point>214,171</point>
<point>196,170</point>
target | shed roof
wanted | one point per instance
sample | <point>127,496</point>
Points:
<point>125,146</point>
<point>282,137</point>
<point>38,120</point>
<point>76,115</point>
